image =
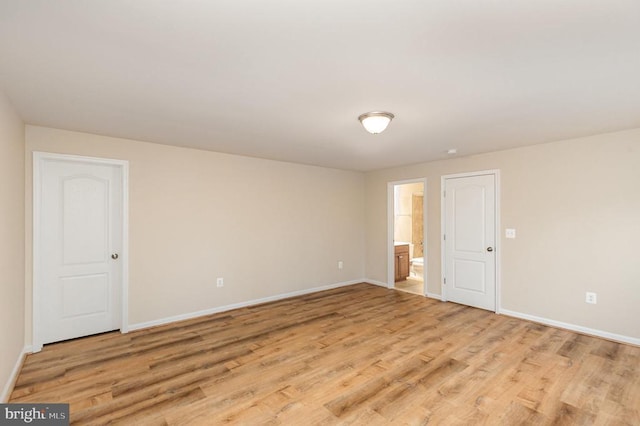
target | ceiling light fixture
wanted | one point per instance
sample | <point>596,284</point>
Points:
<point>375,122</point>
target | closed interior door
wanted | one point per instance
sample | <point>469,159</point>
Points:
<point>469,238</point>
<point>80,233</point>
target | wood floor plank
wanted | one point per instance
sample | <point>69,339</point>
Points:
<point>355,355</point>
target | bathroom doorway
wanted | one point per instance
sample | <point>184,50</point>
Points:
<point>407,236</point>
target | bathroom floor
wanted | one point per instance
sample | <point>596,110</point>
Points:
<point>411,285</point>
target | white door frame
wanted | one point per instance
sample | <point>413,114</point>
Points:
<point>390,226</point>
<point>496,174</point>
<point>39,158</point>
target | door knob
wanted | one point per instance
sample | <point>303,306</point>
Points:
<point>489,248</point>
<point>114,256</point>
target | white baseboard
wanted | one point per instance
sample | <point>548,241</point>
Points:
<point>375,282</point>
<point>225,308</point>
<point>434,296</point>
<point>573,327</point>
<point>8,387</point>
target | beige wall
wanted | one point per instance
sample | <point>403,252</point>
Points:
<point>575,205</point>
<point>11,238</point>
<point>267,227</point>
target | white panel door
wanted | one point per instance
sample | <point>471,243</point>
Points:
<point>80,216</point>
<point>470,234</point>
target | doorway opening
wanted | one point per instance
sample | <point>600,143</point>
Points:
<point>407,236</point>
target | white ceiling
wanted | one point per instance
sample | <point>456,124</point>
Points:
<point>287,79</point>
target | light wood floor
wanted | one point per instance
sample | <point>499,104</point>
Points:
<point>356,355</point>
<point>410,285</point>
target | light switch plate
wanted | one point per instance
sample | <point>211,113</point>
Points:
<point>510,233</point>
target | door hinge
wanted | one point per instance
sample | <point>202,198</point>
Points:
<point>444,194</point>
<point>445,280</point>
<point>444,237</point>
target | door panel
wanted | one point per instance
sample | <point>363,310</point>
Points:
<point>85,214</point>
<point>470,224</point>
<point>469,210</point>
<point>80,222</point>
<point>84,295</point>
<point>469,275</point>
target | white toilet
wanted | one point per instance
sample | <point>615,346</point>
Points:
<point>417,268</point>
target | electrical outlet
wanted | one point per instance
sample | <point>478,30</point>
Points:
<point>340,264</point>
<point>220,282</point>
<point>591,298</point>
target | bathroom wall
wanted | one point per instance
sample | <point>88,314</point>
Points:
<point>417,223</point>
<point>403,210</point>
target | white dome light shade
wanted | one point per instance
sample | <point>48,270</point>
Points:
<point>375,122</point>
